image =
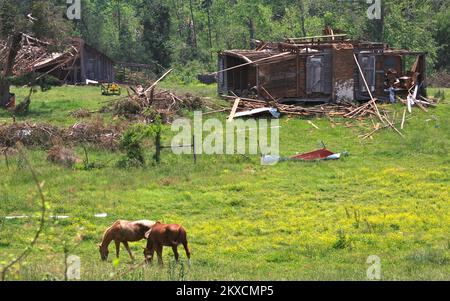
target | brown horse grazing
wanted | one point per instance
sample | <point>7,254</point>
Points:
<point>123,232</point>
<point>162,235</point>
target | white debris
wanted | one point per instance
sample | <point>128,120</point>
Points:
<point>101,215</point>
<point>17,217</point>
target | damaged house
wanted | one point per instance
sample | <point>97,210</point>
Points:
<point>320,69</point>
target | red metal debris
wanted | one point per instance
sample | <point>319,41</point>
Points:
<point>315,155</point>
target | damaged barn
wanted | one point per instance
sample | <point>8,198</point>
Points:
<point>321,69</point>
<point>76,64</point>
<point>79,64</point>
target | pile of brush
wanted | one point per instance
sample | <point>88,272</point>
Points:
<point>45,136</point>
<point>96,132</point>
<point>35,135</point>
<point>143,103</point>
<point>140,105</point>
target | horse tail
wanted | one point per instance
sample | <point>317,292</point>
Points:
<point>181,236</point>
<point>184,242</point>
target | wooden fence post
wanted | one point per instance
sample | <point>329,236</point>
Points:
<point>158,147</point>
<point>194,149</point>
<point>5,152</point>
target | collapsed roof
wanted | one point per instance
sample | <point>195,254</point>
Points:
<point>74,64</point>
<point>320,68</point>
<point>35,54</point>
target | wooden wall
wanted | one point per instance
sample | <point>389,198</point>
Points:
<point>97,66</point>
<point>279,79</point>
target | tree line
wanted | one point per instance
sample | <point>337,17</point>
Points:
<point>189,33</point>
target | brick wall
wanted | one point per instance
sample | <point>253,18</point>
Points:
<point>344,67</point>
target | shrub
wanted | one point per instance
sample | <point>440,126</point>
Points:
<point>342,241</point>
<point>45,83</point>
<point>132,143</point>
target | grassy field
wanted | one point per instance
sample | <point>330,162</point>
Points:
<point>291,221</point>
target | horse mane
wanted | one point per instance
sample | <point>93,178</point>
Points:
<point>108,231</point>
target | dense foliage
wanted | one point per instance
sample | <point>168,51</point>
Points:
<point>189,33</point>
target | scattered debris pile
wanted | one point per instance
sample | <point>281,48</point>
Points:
<point>318,155</point>
<point>35,54</point>
<point>44,135</point>
<point>343,109</point>
<point>246,106</point>
<point>143,103</point>
<point>97,133</point>
<point>143,106</point>
<point>28,134</point>
<point>8,151</point>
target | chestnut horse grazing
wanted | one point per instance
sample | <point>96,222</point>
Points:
<point>123,232</point>
<point>162,235</point>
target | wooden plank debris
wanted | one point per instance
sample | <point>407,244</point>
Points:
<point>234,109</point>
<point>373,103</point>
<point>403,119</point>
<point>156,82</point>
<point>315,126</point>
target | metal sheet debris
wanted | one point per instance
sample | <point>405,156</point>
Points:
<point>259,112</point>
<point>318,155</point>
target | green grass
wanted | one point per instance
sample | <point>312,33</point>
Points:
<point>245,221</point>
<point>55,106</point>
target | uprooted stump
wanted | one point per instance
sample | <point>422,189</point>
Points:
<point>62,156</point>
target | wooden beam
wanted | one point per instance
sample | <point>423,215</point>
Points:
<point>253,62</point>
<point>368,88</point>
<point>155,83</point>
<point>374,104</point>
<point>234,109</point>
<point>317,37</point>
<point>403,119</point>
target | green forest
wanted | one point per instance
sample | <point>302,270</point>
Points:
<point>188,34</point>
